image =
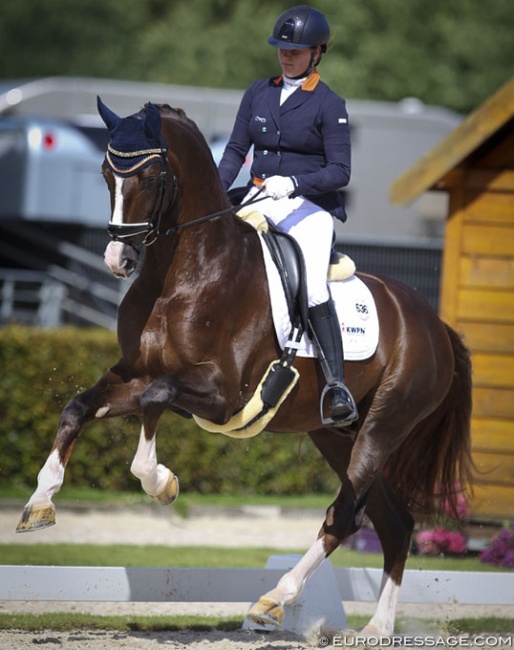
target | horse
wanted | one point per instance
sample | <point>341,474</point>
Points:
<point>196,336</point>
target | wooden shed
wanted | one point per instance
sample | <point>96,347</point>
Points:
<point>475,166</point>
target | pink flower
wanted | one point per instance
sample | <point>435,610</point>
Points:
<point>456,543</point>
<point>441,541</point>
<point>462,505</point>
<point>426,543</point>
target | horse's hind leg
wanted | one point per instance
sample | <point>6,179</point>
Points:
<point>269,609</point>
<point>360,481</point>
<point>157,481</point>
<point>394,524</point>
<point>110,397</point>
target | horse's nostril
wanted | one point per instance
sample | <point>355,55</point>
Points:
<point>130,267</point>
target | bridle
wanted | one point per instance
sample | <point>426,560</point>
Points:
<point>150,230</point>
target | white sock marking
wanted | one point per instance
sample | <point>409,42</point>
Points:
<point>385,614</point>
<point>290,585</point>
<point>153,477</point>
<point>49,480</point>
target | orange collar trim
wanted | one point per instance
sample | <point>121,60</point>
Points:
<point>309,84</point>
<point>312,81</point>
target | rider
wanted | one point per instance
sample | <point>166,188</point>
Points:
<point>301,137</point>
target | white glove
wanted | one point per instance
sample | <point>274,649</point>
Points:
<point>278,187</point>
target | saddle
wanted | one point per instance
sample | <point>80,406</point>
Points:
<point>280,377</point>
<point>289,261</point>
<point>288,258</point>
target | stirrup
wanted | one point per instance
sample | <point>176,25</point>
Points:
<point>328,421</point>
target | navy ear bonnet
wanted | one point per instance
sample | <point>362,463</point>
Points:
<point>136,141</point>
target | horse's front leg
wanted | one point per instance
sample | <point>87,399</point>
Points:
<point>193,391</point>
<point>110,397</point>
<point>157,480</point>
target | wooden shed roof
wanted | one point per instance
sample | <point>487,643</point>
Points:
<point>430,170</point>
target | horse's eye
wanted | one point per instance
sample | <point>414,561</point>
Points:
<point>149,182</point>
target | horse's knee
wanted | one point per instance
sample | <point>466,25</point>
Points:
<point>77,411</point>
<point>159,394</point>
<point>73,412</point>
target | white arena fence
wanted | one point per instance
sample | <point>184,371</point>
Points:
<point>321,599</point>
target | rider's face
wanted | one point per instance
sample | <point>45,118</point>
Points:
<point>295,62</point>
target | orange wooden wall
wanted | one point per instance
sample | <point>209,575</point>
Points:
<point>478,301</point>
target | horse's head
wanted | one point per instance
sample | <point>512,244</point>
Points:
<point>138,177</point>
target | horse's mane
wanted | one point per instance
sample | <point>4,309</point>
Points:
<point>178,114</point>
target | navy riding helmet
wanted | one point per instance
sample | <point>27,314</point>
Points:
<point>300,27</point>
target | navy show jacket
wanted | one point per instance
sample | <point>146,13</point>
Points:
<point>308,138</point>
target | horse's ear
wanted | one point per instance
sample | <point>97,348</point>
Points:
<point>152,122</point>
<point>109,117</point>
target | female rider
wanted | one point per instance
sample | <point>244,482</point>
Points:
<point>301,137</point>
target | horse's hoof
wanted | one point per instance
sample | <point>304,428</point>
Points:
<point>36,518</point>
<point>266,612</point>
<point>170,492</point>
<point>371,630</point>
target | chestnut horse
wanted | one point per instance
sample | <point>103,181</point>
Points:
<point>196,336</point>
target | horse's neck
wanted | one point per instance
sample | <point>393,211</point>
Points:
<point>201,252</point>
<point>211,245</point>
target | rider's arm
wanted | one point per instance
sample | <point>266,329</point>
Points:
<point>334,131</point>
<point>239,143</point>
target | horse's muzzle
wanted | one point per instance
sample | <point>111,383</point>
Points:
<point>121,259</point>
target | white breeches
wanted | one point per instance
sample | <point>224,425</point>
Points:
<point>313,229</point>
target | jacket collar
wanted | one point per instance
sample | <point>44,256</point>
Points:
<point>298,97</point>
<point>308,85</point>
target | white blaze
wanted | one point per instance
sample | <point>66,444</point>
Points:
<point>117,214</point>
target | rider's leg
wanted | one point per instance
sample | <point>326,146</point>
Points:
<point>325,326</point>
<point>313,229</point>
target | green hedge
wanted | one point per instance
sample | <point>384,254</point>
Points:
<point>42,370</point>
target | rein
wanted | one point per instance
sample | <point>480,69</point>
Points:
<point>232,208</point>
<point>151,230</point>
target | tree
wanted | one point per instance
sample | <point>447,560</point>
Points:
<point>75,38</point>
<point>452,54</point>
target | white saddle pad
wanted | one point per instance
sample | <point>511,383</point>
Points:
<point>355,307</point>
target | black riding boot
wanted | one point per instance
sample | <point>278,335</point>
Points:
<point>327,336</point>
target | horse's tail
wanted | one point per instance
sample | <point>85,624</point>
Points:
<point>434,464</point>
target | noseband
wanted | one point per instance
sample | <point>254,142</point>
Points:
<point>149,230</point>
